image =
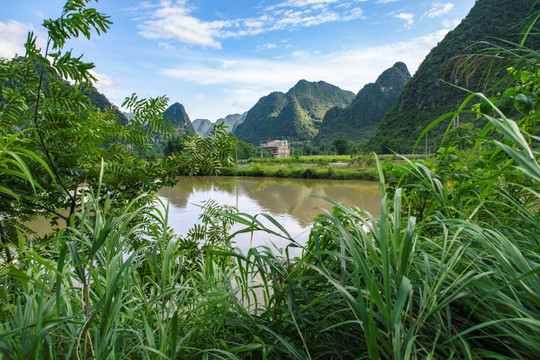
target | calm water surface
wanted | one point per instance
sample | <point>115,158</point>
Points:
<point>289,201</point>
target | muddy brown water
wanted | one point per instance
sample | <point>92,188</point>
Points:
<point>289,201</point>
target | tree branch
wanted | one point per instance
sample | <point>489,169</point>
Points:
<point>39,206</point>
<point>40,135</point>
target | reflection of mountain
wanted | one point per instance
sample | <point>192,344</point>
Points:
<point>281,196</point>
<point>294,196</point>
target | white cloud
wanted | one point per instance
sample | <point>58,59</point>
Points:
<point>438,9</point>
<point>304,3</point>
<point>300,53</point>
<point>349,70</point>
<point>344,5</point>
<point>166,45</point>
<point>293,19</point>
<point>267,46</point>
<point>173,20</point>
<point>103,81</point>
<point>408,17</point>
<point>12,38</point>
<point>386,1</point>
<point>246,97</point>
<point>239,71</point>
<point>447,23</point>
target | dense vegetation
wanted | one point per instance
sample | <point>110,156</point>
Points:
<point>336,167</point>
<point>359,120</point>
<point>448,269</point>
<point>295,115</point>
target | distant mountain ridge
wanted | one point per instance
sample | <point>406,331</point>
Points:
<point>359,120</point>
<point>205,126</point>
<point>202,126</point>
<point>426,97</point>
<point>232,121</point>
<point>103,103</point>
<point>96,98</point>
<point>295,115</point>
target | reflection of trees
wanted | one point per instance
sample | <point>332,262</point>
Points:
<point>283,196</point>
<point>293,196</point>
<point>218,183</point>
<point>188,185</point>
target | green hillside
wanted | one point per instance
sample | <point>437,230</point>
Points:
<point>231,121</point>
<point>101,101</point>
<point>96,98</point>
<point>296,115</point>
<point>359,120</point>
<point>426,96</point>
<point>177,116</point>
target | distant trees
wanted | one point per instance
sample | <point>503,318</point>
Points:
<point>246,150</point>
<point>341,146</point>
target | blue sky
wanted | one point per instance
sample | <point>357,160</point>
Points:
<point>219,57</point>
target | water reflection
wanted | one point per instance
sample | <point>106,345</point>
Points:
<point>289,201</point>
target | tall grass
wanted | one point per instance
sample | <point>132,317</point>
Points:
<point>88,294</point>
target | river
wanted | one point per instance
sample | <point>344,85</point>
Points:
<point>289,201</point>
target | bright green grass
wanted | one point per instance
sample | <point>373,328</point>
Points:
<point>305,172</point>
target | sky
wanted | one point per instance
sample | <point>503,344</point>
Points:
<point>219,57</point>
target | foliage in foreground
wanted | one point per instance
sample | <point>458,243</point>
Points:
<point>448,269</point>
<point>65,137</point>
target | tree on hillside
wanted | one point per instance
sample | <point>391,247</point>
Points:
<point>431,92</point>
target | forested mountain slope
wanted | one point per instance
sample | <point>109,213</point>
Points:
<point>427,96</point>
<point>359,120</point>
<point>295,115</point>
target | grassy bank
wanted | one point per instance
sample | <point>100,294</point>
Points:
<point>311,159</point>
<point>302,172</point>
<point>333,167</point>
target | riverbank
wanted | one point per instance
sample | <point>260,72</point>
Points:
<point>332,167</point>
<point>303,172</point>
